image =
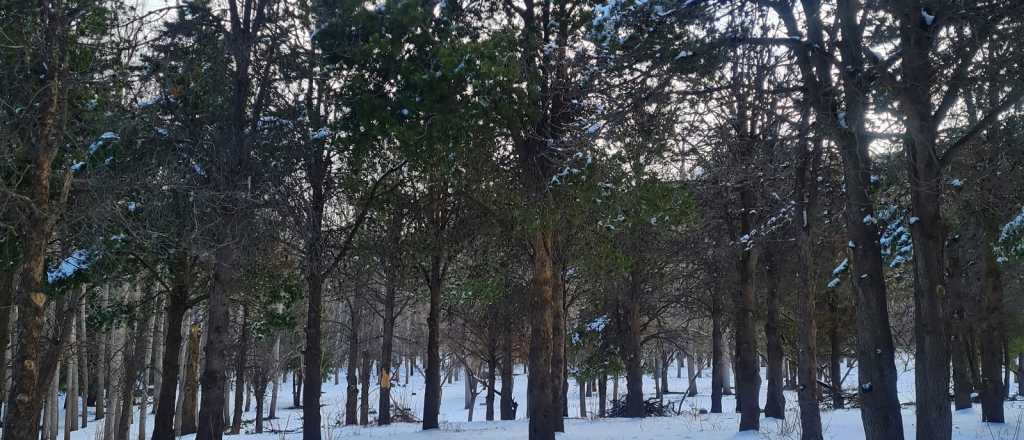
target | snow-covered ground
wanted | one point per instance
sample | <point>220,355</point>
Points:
<point>837,425</point>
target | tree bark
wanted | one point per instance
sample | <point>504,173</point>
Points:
<point>432,394</point>
<point>992,334</point>
<point>959,333</point>
<point>559,380</point>
<point>241,351</point>
<point>351,372</point>
<point>747,371</point>
<point>508,410</point>
<point>717,375</point>
<point>541,408</point>
<point>775,403</point>
<point>492,361</point>
<point>190,390</point>
<point>835,357</point>
<point>602,394</point>
<point>629,328</point>
<point>364,396</point>
<point>177,306</point>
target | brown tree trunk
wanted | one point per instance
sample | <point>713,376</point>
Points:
<point>959,334</point>
<point>241,351</point>
<point>541,386</point>
<point>210,425</point>
<point>602,394</point>
<point>835,356</point>
<point>508,410</point>
<point>351,373</point>
<point>392,280</point>
<point>717,375</point>
<point>492,360</point>
<point>190,392</point>
<point>991,334</point>
<point>177,306</point>
<point>432,393</point>
<point>632,357</point>
<point>775,404</point>
<point>364,395</point>
<point>559,380</point>
<point>28,382</point>
<point>748,377</point>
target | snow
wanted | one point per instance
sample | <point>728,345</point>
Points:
<point>598,324</point>
<point>104,138</point>
<point>913,220</point>
<point>841,116</point>
<point>869,220</point>
<point>683,54</point>
<point>928,18</point>
<point>957,183</point>
<point>691,425</point>
<point>78,260</point>
<point>1014,226</point>
<point>320,134</point>
<point>77,166</point>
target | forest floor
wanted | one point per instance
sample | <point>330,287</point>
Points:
<point>837,424</point>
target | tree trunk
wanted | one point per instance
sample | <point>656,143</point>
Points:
<point>717,375</point>
<point>541,387</point>
<point>959,333</point>
<point>190,391</point>
<point>775,403</point>
<point>83,365</point>
<point>218,340</point>
<point>602,394</point>
<point>177,306</point>
<point>583,398</point>
<point>629,324</point>
<point>241,351</point>
<point>666,360</point>
<point>747,371</point>
<point>364,396</point>
<point>691,375</point>
<point>276,377</point>
<point>992,335</point>
<point>560,383</point>
<point>508,409</point>
<point>492,360</point>
<point>835,358</point>
<point>71,396</point>
<point>351,378</point>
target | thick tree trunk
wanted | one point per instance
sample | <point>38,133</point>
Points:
<point>560,383</point>
<point>748,376</point>
<point>541,386</point>
<point>190,391</point>
<point>386,352</point>
<point>583,398</point>
<point>508,410</point>
<point>632,357</point>
<point>312,351</point>
<point>691,375</point>
<point>959,333</point>
<point>602,394</point>
<point>717,375</point>
<point>83,365</point>
<point>214,376</point>
<point>241,351</point>
<point>492,361</point>
<point>835,358</point>
<point>432,393</point>
<point>24,403</point>
<point>177,306</point>
<point>775,404</point>
<point>992,335</point>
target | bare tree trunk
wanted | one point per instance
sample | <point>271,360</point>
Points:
<point>190,391</point>
<point>364,395</point>
<point>691,375</point>
<point>508,410</point>
<point>241,351</point>
<point>351,377</point>
<point>542,411</point>
<point>630,329</point>
<point>492,360</point>
<point>583,398</point>
<point>775,403</point>
<point>559,381</point>
<point>992,335</point>
<point>717,363</point>
<point>83,365</point>
<point>275,384</point>
<point>146,357</point>
<point>602,394</point>
<point>71,396</point>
